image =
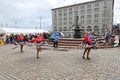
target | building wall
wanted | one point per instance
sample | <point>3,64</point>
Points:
<point>94,16</point>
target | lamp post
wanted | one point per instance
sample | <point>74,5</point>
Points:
<point>15,24</point>
<point>40,21</point>
<point>1,24</point>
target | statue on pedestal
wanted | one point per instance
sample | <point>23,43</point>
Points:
<point>77,29</point>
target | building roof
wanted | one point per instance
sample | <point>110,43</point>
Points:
<point>20,30</point>
<point>78,4</point>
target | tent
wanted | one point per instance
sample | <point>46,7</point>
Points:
<point>21,30</point>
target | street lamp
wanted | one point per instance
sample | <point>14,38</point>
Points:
<point>40,21</point>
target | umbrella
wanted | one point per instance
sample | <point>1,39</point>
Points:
<point>58,33</point>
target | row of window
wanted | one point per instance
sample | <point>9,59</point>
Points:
<point>96,4</point>
<point>89,28</point>
<point>89,21</point>
<point>89,6</point>
<point>89,11</point>
<point>76,12</point>
<point>104,14</point>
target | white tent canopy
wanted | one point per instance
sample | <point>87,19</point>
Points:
<point>20,30</point>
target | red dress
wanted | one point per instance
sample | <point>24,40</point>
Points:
<point>87,41</point>
<point>21,40</point>
<point>37,41</point>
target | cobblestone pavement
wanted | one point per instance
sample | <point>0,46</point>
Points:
<point>61,64</point>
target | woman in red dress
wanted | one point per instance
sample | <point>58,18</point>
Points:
<point>38,42</point>
<point>87,44</point>
<point>20,40</point>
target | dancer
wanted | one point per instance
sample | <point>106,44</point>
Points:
<point>20,40</point>
<point>87,44</point>
<point>39,40</point>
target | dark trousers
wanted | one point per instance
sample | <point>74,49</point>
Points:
<point>55,44</point>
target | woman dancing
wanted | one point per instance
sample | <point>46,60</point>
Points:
<point>87,44</point>
<point>38,42</point>
<point>20,40</point>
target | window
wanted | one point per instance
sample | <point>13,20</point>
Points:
<point>88,11</point>
<point>60,14</point>
<point>55,19</point>
<point>65,18</point>
<point>60,23</point>
<point>96,10</point>
<point>88,6</point>
<point>65,10</point>
<point>65,23</point>
<point>70,22</point>
<point>65,14</point>
<point>70,28</point>
<point>55,24</point>
<point>54,11</point>
<point>88,16</point>
<point>70,9</point>
<point>96,28</point>
<point>88,21</point>
<point>105,7</point>
<point>76,12</point>
<point>82,21</point>
<point>82,6</point>
<point>96,15</point>
<point>82,27</point>
<point>60,19</point>
<point>60,10</point>
<point>104,14</point>
<point>105,3</point>
<point>65,28</point>
<point>89,28</point>
<point>55,15</point>
<point>60,29</point>
<point>76,8</point>
<point>95,20</point>
<point>70,13</point>
<point>105,20</point>
<point>103,28</point>
<point>70,18</point>
<point>55,29</point>
<point>96,4</point>
<point>82,17</point>
<point>82,11</point>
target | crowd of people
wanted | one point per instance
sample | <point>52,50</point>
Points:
<point>11,38</point>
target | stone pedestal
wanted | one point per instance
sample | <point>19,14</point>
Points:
<point>77,33</point>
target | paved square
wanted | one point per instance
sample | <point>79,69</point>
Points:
<point>59,64</point>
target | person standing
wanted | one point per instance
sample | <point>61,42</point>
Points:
<point>56,40</point>
<point>106,38</point>
<point>87,44</point>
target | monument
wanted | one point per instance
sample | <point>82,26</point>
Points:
<point>77,30</point>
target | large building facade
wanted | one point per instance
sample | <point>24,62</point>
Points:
<point>94,16</point>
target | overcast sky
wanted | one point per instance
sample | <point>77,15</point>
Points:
<point>26,13</point>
